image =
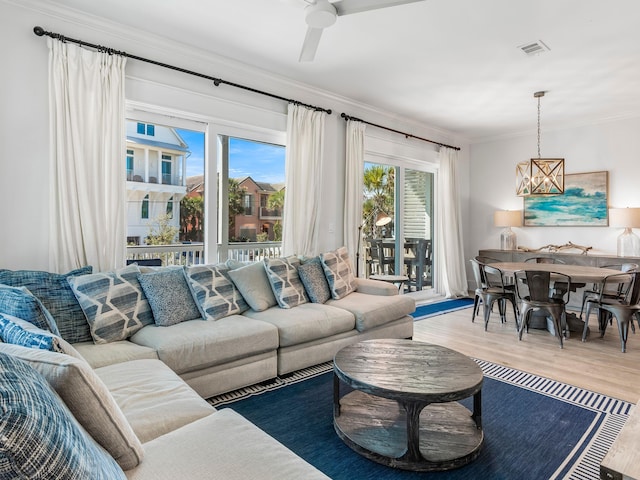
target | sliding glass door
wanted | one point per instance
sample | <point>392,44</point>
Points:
<point>397,232</point>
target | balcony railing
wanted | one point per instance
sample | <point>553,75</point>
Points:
<point>270,212</point>
<point>193,253</point>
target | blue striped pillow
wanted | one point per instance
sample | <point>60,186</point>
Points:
<point>13,333</point>
<point>53,290</point>
<point>21,303</point>
<point>39,438</point>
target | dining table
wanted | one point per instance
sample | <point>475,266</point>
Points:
<point>580,274</point>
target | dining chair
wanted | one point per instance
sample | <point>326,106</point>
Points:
<point>490,287</point>
<point>418,262</point>
<point>386,256</point>
<point>618,291</point>
<point>536,292</point>
<point>623,309</point>
<point>559,287</point>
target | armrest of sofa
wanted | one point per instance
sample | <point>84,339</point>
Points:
<point>375,287</point>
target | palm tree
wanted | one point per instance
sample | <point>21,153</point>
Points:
<point>276,202</point>
<point>379,191</point>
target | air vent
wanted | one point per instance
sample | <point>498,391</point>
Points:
<point>534,48</point>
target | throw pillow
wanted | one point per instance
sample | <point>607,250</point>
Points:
<point>113,302</point>
<point>314,281</point>
<point>337,269</point>
<point>253,283</point>
<point>169,296</point>
<point>39,438</point>
<point>285,281</point>
<point>20,302</point>
<point>53,290</point>
<point>11,332</point>
<point>215,293</point>
<point>88,399</point>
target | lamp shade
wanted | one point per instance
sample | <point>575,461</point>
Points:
<point>507,218</point>
<point>624,217</point>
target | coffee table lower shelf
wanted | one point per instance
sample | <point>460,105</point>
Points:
<point>376,428</point>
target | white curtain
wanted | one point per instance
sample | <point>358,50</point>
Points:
<point>450,252</point>
<point>303,189</point>
<point>87,167</point>
<point>354,173</point>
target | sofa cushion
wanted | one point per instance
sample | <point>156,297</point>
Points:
<point>88,399</point>
<point>169,296</point>
<point>20,302</point>
<point>39,438</point>
<point>113,302</point>
<point>253,283</point>
<point>215,293</point>
<point>375,310</point>
<point>195,345</point>
<point>314,281</point>
<point>54,291</point>
<point>241,451</point>
<point>337,269</point>
<point>103,354</point>
<point>153,398</point>
<point>306,322</point>
<point>285,281</point>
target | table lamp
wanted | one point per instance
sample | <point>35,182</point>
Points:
<point>627,218</point>
<point>508,219</point>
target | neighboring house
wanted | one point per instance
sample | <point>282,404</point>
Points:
<point>257,217</point>
<point>156,181</point>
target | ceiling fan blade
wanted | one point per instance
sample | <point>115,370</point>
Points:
<point>347,7</point>
<point>310,45</point>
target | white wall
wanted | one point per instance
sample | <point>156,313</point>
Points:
<point>613,146</point>
<point>24,124</point>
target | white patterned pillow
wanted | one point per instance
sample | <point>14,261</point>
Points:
<point>113,302</point>
<point>215,293</point>
<point>285,281</point>
<point>337,269</point>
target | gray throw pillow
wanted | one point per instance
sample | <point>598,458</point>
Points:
<point>314,281</point>
<point>285,281</point>
<point>169,296</point>
<point>253,283</point>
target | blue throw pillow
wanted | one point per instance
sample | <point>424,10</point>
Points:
<point>314,281</point>
<point>19,302</point>
<point>39,438</point>
<point>13,333</point>
<point>169,296</point>
<point>53,290</point>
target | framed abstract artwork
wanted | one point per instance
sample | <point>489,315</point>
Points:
<point>583,204</point>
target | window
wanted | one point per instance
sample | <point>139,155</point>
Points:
<point>144,210</point>
<point>245,166</point>
<point>247,203</point>
<point>170,208</point>
<point>146,129</point>
<point>129,164</point>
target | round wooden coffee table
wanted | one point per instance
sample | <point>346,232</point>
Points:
<point>402,408</point>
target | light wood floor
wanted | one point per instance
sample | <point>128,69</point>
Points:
<point>597,364</point>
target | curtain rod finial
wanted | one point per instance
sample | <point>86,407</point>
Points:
<point>39,31</point>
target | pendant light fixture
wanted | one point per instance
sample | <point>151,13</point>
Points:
<point>540,176</point>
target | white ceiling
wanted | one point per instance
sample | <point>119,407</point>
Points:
<point>454,64</point>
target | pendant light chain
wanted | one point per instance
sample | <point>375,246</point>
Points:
<point>539,156</point>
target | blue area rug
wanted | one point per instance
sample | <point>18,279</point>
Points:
<point>440,308</point>
<point>534,428</point>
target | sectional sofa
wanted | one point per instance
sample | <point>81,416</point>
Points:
<point>133,353</point>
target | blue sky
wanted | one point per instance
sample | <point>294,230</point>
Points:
<point>262,161</point>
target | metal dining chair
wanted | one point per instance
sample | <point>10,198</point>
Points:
<point>559,287</point>
<point>536,293</point>
<point>616,291</point>
<point>623,309</point>
<point>491,288</point>
<point>418,263</point>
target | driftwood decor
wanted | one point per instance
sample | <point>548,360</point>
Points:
<point>557,248</point>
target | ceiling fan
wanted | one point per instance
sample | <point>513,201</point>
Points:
<point>320,14</point>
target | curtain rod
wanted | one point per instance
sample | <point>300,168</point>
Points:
<point>408,135</point>
<point>39,31</point>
